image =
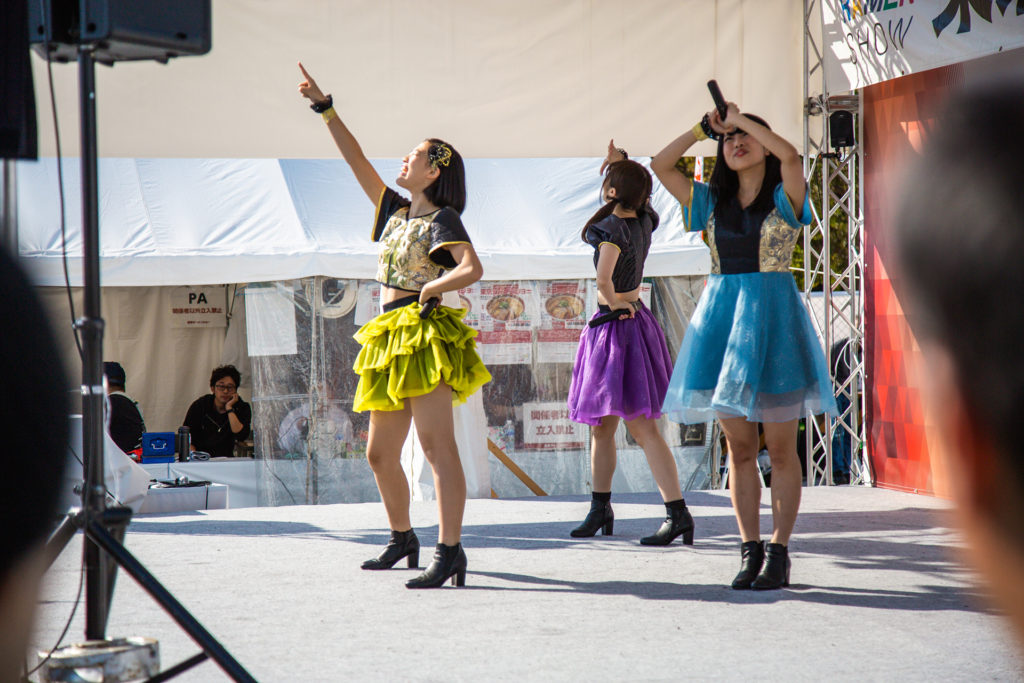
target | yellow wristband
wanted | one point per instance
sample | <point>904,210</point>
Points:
<point>329,114</point>
<point>698,132</point>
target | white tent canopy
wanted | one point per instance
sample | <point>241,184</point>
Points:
<point>203,221</point>
<point>531,78</point>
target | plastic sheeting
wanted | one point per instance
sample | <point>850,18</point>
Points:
<point>527,334</point>
<point>218,221</point>
<point>126,482</point>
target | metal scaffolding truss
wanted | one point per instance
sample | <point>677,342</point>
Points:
<point>841,328</point>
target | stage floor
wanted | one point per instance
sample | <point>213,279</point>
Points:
<point>877,594</point>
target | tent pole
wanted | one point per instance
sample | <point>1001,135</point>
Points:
<point>9,207</point>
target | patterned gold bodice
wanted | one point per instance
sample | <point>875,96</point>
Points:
<point>775,247</point>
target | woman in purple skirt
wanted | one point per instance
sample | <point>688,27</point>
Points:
<point>622,365</point>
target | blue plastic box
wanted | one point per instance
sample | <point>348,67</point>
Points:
<point>158,446</point>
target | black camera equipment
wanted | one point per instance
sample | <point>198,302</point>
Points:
<point>108,31</point>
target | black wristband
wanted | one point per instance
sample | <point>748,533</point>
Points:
<point>705,125</point>
<point>229,410</point>
<point>321,107</point>
<point>622,152</point>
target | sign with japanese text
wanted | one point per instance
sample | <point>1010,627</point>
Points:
<point>198,307</point>
<point>547,425</point>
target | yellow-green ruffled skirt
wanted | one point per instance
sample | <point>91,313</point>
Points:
<point>405,356</point>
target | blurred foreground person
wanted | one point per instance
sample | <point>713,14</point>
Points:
<point>34,422</point>
<point>958,242</point>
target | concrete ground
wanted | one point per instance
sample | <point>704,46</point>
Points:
<point>877,594</point>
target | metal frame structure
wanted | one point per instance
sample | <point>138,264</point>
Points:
<point>843,196</point>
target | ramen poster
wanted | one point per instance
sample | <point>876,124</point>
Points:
<point>505,315</point>
<point>563,315</point>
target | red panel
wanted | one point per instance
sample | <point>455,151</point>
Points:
<point>896,115</point>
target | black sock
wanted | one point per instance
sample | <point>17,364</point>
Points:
<point>605,497</point>
<point>675,504</point>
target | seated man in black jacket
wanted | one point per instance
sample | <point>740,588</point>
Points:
<point>126,423</point>
<point>218,419</point>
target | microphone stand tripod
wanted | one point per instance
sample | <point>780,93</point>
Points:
<point>104,527</point>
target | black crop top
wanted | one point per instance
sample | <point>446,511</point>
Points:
<point>632,237</point>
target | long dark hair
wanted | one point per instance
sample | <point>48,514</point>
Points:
<point>725,182</point>
<point>449,190</point>
<point>632,183</point>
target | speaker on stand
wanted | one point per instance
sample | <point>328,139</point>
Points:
<point>108,31</point>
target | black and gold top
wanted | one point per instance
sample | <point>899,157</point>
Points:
<point>632,237</point>
<point>413,250</point>
<point>747,240</point>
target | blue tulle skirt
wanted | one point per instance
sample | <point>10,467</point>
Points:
<point>750,351</point>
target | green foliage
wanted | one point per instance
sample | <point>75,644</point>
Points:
<point>838,225</point>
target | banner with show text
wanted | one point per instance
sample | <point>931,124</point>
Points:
<point>870,41</point>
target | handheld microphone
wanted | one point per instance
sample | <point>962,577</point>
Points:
<point>606,318</point>
<point>429,307</point>
<point>716,95</point>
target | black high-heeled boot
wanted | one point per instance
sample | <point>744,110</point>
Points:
<point>753,558</point>
<point>776,568</point>
<point>679,522</point>
<point>449,562</point>
<point>402,544</point>
<point>599,517</point>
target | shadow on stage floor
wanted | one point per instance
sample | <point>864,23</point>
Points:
<point>929,598</point>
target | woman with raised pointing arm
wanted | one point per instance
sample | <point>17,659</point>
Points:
<point>750,353</point>
<point>417,359</point>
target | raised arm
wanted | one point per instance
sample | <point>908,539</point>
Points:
<point>365,173</point>
<point>792,167</point>
<point>664,162</point>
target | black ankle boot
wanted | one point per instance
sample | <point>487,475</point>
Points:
<point>753,558</point>
<point>402,544</point>
<point>679,522</point>
<point>776,568</point>
<point>449,562</point>
<point>599,517</point>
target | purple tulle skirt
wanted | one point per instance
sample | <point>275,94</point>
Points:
<point>622,368</point>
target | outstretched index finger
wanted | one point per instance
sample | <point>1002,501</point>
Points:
<point>304,72</point>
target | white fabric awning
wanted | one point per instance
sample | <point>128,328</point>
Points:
<point>213,221</point>
<point>530,78</point>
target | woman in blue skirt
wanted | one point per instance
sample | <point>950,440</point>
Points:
<point>622,364</point>
<point>750,354</point>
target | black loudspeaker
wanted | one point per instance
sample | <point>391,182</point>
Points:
<point>18,108</point>
<point>840,129</point>
<point>121,30</point>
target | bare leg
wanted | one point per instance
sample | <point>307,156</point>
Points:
<point>786,477</point>
<point>436,428</point>
<point>659,457</point>
<point>602,453</point>
<point>744,484</point>
<point>388,430</point>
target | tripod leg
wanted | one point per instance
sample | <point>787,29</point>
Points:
<point>115,520</point>
<point>61,536</point>
<point>102,538</point>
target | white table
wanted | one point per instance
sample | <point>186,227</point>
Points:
<point>185,498</point>
<point>239,474</point>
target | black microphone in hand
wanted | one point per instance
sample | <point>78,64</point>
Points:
<point>607,317</point>
<point>429,307</point>
<point>716,95</point>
